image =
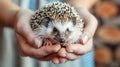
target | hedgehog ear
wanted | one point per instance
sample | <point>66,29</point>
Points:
<point>74,20</point>
<point>46,21</point>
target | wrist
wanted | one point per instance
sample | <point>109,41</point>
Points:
<point>7,13</point>
<point>8,17</point>
<point>14,18</point>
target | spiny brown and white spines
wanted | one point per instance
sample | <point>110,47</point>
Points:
<point>56,11</point>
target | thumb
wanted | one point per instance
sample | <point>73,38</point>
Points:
<point>31,38</point>
<point>22,27</point>
<point>89,29</point>
<point>90,24</point>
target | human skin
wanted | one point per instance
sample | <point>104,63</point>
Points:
<point>12,16</point>
<point>74,51</point>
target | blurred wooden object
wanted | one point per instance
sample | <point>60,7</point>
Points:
<point>103,55</point>
<point>106,9</point>
<point>109,34</point>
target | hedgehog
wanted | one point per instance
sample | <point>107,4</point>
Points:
<point>58,22</point>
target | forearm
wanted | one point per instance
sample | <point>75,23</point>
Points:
<point>81,3</point>
<point>8,12</point>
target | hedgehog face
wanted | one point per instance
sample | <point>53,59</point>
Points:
<point>62,32</point>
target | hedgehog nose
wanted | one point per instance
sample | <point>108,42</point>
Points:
<point>62,41</point>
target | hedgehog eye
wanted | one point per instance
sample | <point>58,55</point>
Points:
<point>55,29</point>
<point>56,32</point>
<point>46,21</point>
<point>68,31</point>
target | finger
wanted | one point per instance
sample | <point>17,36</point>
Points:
<point>46,58</point>
<point>43,51</point>
<point>43,54</point>
<point>62,60</point>
<point>24,29</point>
<point>72,56</point>
<point>89,30</point>
<point>80,49</point>
<point>55,60</point>
<point>28,34</point>
<point>64,55</point>
<point>62,52</point>
<point>90,24</point>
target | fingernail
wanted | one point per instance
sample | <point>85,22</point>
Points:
<point>56,62</point>
<point>38,42</point>
<point>63,55</point>
<point>85,39</point>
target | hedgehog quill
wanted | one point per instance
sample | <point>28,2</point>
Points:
<point>59,22</point>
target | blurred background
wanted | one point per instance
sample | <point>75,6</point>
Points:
<point>107,37</point>
<point>106,52</point>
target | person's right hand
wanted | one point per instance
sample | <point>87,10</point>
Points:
<point>28,41</point>
<point>75,51</point>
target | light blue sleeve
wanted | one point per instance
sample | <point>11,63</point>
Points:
<point>87,60</point>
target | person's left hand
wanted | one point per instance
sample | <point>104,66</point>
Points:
<point>74,51</point>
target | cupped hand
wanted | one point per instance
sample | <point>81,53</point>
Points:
<point>23,28</point>
<point>28,41</point>
<point>74,51</point>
